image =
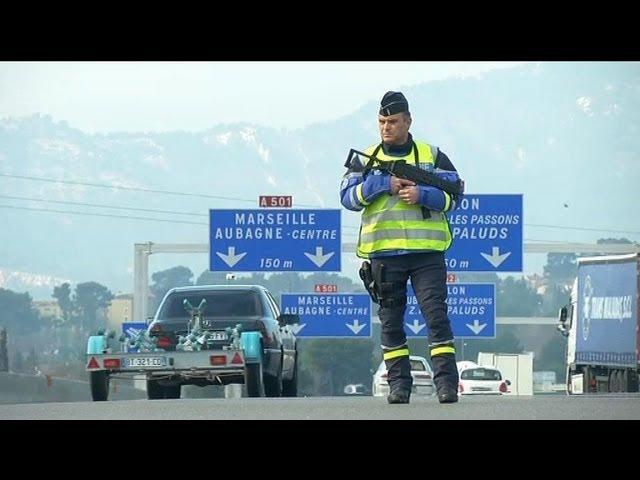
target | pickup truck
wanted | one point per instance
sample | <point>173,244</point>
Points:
<point>205,335</point>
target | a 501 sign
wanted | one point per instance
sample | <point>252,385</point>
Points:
<point>276,201</point>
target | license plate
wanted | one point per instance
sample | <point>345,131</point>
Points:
<point>218,335</point>
<point>144,362</point>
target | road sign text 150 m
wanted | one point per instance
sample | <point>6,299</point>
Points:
<point>452,263</point>
<point>275,263</point>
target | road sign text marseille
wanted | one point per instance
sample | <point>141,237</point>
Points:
<point>268,226</point>
<point>326,305</point>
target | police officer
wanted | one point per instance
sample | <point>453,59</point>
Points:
<point>404,232</point>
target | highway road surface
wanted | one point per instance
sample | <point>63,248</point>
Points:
<point>538,407</point>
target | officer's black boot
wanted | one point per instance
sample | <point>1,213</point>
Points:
<point>445,377</point>
<point>398,396</point>
<point>400,379</point>
<point>447,395</point>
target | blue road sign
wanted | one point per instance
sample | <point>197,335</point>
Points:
<point>470,307</point>
<point>487,234</point>
<point>346,315</point>
<point>278,240</point>
<point>133,329</point>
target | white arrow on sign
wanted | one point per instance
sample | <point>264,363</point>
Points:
<point>477,327</point>
<point>495,258</point>
<point>319,259</point>
<point>230,258</point>
<point>297,328</point>
<point>355,327</point>
<point>416,326</point>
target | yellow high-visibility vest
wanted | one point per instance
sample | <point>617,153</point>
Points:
<point>388,223</point>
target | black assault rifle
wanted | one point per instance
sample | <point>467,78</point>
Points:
<point>401,169</point>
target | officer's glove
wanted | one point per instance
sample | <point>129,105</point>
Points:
<point>447,175</point>
<point>375,185</point>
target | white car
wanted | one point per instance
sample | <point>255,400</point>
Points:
<point>480,380</point>
<point>420,371</point>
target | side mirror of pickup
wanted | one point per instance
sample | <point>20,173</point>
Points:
<point>288,319</point>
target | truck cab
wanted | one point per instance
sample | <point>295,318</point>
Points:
<point>567,324</point>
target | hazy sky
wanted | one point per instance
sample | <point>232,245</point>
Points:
<point>143,96</point>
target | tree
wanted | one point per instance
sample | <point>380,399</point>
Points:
<point>89,299</point>
<point>62,294</point>
<point>505,342</point>
<point>211,278</point>
<point>553,356</point>
<point>515,298</point>
<point>285,282</point>
<point>17,362</point>
<point>561,268</point>
<point>31,363</point>
<point>258,278</point>
<point>165,280</point>
<point>17,312</point>
<point>554,298</point>
<point>326,366</point>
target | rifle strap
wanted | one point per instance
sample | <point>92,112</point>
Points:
<point>434,154</point>
<point>371,161</point>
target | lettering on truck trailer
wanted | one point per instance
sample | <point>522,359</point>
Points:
<point>603,308</point>
<point>610,308</point>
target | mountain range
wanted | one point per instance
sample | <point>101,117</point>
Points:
<point>566,135</point>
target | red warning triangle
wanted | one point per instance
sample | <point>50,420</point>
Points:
<point>237,358</point>
<point>93,363</point>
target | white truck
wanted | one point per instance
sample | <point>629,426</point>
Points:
<point>517,367</point>
<point>601,325</point>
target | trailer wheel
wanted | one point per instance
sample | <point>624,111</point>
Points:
<point>154,390</point>
<point>290,387</point>
<point>273,385</point>
<point>586,388</point>
<point>99,385</point>
<point>253,379</point>
<point>172,391</point>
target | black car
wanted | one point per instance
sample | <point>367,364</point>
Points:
<point>251,306</point>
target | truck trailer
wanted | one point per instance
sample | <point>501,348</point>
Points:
<point>601,325</point>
